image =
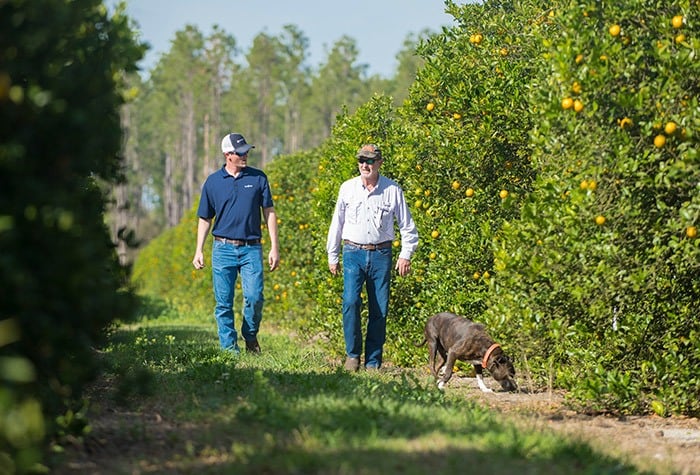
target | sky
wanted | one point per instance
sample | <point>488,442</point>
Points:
<point>379,27</point>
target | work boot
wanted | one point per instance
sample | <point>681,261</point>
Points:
<point>252,346</point>
<point>352,364</point>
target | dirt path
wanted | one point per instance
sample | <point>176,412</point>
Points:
<point>661,445</point>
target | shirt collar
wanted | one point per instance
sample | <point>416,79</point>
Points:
<point>225,174</point>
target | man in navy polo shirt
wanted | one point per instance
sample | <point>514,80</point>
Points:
<point>235,196</point>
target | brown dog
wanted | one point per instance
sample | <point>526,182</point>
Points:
<point>454,337</point>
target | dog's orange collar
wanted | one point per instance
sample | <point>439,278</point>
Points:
<point>485,361</point>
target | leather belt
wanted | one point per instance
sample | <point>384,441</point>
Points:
<point>368,247</point>
<point>237,242</point>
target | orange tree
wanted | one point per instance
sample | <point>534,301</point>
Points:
<point>293,181</point>
<point>163,270</point>
<point>466,124</point>
<point>599,276</point>
<point>61,286</point>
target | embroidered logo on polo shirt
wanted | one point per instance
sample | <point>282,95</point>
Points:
<point>248,186</point>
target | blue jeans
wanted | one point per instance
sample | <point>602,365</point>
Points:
<point>227,262</point>
<point>373,269</point>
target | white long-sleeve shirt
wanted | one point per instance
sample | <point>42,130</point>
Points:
<point>366,217</point>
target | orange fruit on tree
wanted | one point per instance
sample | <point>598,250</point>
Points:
<point>469,192</point>
<point>455,185</point>
<point>677,21</point>
<point>600,220</point>
<point>670,128</point>
<point>430,106</point>
<point>567,103</point>
<point>691,232</point>
<point>476,275</point>
<point>625,122</point>
<point>503,194</point>
<point>592,185</point>
<point>457,115</point>
<point>578,105</point>
<point>432,255</point>
<point>583,185</point>
<point>579,58</point>
<point>435,234</point>
<point>614,30</point>
<point>680,38</point>
<point>659,141</point>
<point>576,87</point>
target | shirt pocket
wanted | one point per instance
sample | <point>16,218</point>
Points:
<point>353,212</point>
<point>383,216</point>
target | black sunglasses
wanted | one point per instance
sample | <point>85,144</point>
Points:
<point>239,154</point>
<point>368,161</point>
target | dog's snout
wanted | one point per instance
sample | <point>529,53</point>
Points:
<point>508,385</point>
<point>504,372</point>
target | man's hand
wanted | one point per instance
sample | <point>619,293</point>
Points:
<point>334,268</point>
<point>198,260</point>
<point>273,259</point>
<point>403,266</point>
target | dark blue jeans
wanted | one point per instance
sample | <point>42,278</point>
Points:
<point>227,262</point>
<point>373,270</point>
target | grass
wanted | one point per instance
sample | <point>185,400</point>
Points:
<point>173,403</point>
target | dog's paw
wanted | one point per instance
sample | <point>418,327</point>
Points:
<point>441,385</point>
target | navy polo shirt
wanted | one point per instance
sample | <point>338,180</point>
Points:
<point>236,202</point>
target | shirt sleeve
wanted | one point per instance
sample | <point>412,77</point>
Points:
<point>205,209</point>
<point>266,193</point>
<point>335,232</point>
<point>407,227</point>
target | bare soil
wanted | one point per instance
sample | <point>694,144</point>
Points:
<point>651,443</point>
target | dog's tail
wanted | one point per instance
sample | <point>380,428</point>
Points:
<point>425,340</point>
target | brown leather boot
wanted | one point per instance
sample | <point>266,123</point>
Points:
<point>252,346</point>
<point>352,364</point>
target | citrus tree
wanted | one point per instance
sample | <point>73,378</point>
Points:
<point>466,123</point>
<point>599,275</point>
<point>293,182</point>
<point>61,286</point>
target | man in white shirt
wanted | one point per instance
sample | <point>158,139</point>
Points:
<point>363,221</point>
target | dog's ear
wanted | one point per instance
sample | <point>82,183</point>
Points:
<point>504,362</point>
